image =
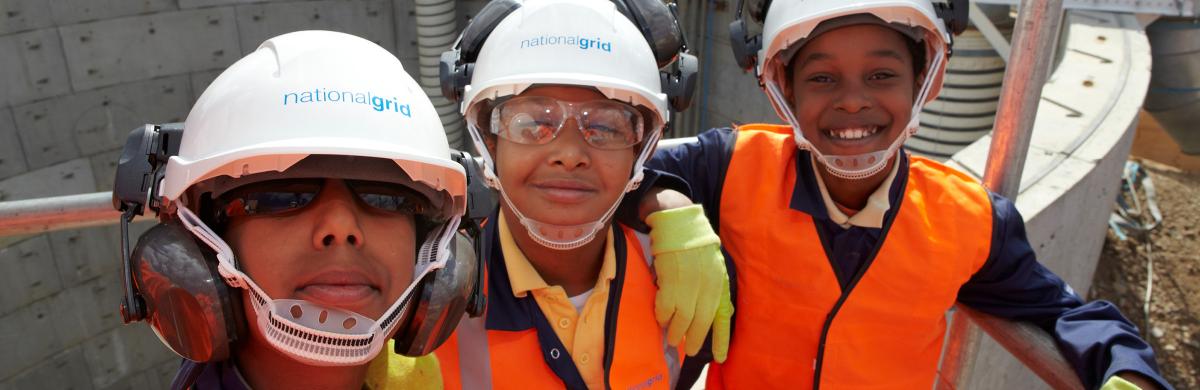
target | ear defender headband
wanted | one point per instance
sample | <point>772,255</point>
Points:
<point>746,46</point>
<point>172,278</point>
<point>658,23</point>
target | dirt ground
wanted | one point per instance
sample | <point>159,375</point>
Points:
<point>1174,248</point>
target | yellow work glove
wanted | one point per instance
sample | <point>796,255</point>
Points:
<point>390,371</point>
<point>693,286</point>
<point>1118,383</point>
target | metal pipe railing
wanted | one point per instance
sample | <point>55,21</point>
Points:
<point>1034,38</point>
<point>42,215</point>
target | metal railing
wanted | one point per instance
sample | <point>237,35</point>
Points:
<point>41,215</point>
<point>1034,38</point>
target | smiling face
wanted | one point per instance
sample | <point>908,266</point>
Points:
<point>852,89</point>
<point>335,252</point>
<point>566,181</point>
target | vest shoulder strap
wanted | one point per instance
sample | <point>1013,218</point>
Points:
<point>780,129</point>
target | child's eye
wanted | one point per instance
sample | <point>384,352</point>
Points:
<point>881,76</point>
<point>820,78</point>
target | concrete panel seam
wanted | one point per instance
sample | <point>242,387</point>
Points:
<point>62,47</point>
<point>12,117</point>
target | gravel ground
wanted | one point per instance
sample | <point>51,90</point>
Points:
<point>1174,249</point>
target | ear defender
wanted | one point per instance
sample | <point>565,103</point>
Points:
<point>188,305</point>
<point>744,44</point>
<point>446,293</point>
<point>171,281</point>
<point>442,296</point>
<point>658,25</point>
<point>456,65</point>
<point>956,15</point>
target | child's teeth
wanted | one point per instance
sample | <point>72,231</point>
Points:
<point>855,133</point>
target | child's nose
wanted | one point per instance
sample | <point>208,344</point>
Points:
<point>569,149</point>
<point>338,219</point>
<point>853,100</point>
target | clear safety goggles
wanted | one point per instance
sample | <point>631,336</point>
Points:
<point>537,120</point>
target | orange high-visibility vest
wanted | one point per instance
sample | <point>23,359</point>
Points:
<point>513,347</point>
<point>795,327</point>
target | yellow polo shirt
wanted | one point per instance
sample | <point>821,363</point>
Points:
<point>582,332</point>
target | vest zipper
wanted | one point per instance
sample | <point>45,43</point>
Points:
<point>889,218</point>
<point>614,303</point>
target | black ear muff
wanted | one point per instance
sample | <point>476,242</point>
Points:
<point>139,170</point>
<point>187,303</point>
<point>744,44</point>
<point>955,13</point>
<point>680,83</point>
<point>758,9</point>
<point>440,300</point>
<point>658,24</point>
<point>456,64</point>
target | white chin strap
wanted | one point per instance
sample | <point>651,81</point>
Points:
<point>859,166</point>
<point>315,334</point>
<point>560,237</point>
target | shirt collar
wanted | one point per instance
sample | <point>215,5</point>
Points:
<point>809,196</point>
<point>871,216</point>
<point>524,278</point>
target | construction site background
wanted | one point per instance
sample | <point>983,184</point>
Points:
<point>78,75</point>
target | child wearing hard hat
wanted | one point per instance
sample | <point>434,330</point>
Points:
<point>848,251</point>
<point>304,233</point>
<point>564,101</point>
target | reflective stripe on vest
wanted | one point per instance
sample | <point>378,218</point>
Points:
<point>486,359</point>
<point>471,331</point>
<point>795,324</point>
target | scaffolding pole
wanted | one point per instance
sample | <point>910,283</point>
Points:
<point>1034,38</point>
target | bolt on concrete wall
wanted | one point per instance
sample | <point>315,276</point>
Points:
<point>75,77</point>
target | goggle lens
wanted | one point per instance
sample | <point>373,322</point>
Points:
<point>285,195</point>
<point>537,120</point>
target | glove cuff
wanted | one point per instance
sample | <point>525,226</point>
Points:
<point>680,229</point>
<point>1117,383</point>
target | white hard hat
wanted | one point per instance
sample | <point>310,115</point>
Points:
<point>583,43</point>
<point>788,26</point>
<point>314,93</point>
<point>317,93</point>
<point>603,48</point>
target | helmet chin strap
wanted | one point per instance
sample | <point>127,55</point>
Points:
<point>563,237</point>
<point>315,334</point>
<point>858,166</point>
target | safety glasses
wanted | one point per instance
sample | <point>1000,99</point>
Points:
<point>285,195</point>
<point>537,120</point>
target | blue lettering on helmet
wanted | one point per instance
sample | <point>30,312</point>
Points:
<point>583,43</point>
<point>333,96</point>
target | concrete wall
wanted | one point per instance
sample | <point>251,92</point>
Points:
<point>725,94</point>
<point>75,77</point>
